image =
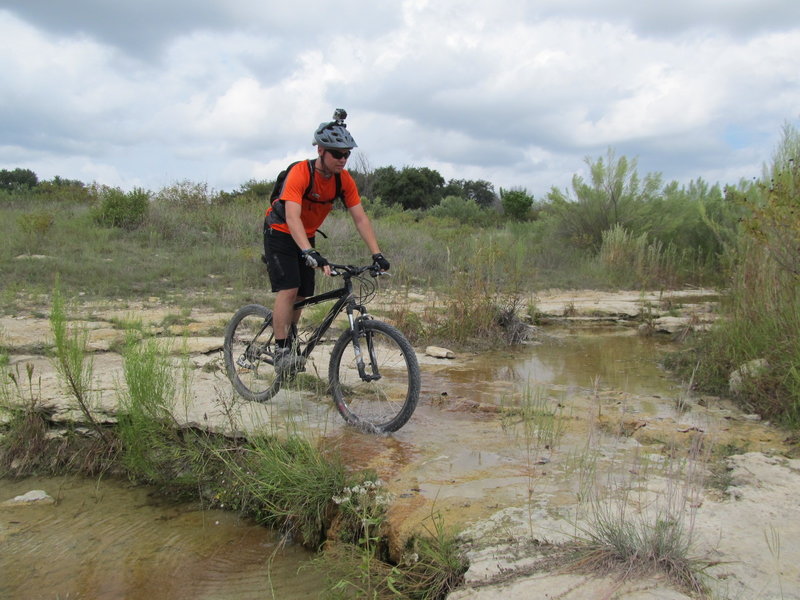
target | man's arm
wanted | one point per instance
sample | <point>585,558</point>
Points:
<point>364,227</point>
<point>298,231</point>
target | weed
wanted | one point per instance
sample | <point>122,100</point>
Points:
<point>773,538</point>
<point>73,363</point>
<point>362,512</point>
<point>656,537</point>
<point>539,428</point>
<point>29,444</point>
<point>26,431</point>
<point>147,429</point>
<point>289,485</point>
<point>433,564</point>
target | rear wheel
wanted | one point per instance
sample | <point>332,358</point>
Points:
<point>249,349</point>
<point>387,398</point>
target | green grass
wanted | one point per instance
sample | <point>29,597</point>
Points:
<point>290,485</point>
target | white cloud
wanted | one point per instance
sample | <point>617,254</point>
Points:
<point>517,93</point>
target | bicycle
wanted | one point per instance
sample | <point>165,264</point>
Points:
<point>373,373</point>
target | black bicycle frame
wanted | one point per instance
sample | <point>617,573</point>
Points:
<point>343,294</point>
<point>345,300</point>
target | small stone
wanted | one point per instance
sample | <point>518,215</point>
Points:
<point>437,352</point>
<point>32,497</point>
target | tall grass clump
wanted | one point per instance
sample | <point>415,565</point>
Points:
<point>152,449</point>
<point>635,530</point>
<point>289,485</point>
<point>638,261</point>
<point>761,311</point>
<point>74,364</point>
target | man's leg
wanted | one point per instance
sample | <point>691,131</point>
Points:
<point>283,313</point>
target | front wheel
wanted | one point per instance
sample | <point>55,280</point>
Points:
<point>382,397</point>
<point>249,349</point>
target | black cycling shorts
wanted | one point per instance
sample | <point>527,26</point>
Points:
<point>286,267</point>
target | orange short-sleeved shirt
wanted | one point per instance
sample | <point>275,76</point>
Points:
<point>314,213</point>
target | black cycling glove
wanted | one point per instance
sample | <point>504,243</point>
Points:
<point>314,259</point>
<point>378,259</point>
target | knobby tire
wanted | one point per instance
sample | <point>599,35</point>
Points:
<point>380,406</point>
<point>248,353</point>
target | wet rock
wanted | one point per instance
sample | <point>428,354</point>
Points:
<point>32,497</point>
<point>437,352</point>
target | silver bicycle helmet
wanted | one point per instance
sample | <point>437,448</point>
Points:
<point>334,134</point>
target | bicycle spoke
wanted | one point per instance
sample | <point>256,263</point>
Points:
<point>249,353</point>
<point>387,402</point>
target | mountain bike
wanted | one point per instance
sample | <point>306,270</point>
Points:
<point>373,374</point>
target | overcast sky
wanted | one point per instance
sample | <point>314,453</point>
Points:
<point>516,92</point>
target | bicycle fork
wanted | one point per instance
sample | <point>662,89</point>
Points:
<point>355,330</point>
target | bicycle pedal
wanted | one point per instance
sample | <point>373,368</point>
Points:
<point>244,363</point>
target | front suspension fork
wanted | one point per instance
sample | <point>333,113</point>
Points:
<point>355,331</point>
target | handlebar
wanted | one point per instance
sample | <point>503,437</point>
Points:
<point>352,271</point>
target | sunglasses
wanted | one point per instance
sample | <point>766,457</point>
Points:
<point>338,154</point>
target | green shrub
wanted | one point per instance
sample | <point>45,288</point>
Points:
<point>36,224</point>
<point>517,204</point>
<point>186,194</point>
<point>461,210</point>
<point>115,208</point>
<point>762,308</point>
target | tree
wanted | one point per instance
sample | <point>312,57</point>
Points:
<point>516,203</point>
<point>775,219</point>
<point>482,192</point>
<point>612,196</point>
<point>18,179</point>
<point>411,188</point>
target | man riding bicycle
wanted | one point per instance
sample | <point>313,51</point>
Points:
<point>305,200</point>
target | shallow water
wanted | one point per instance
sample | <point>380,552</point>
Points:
<point>572,359</point>
<point>105,539</point>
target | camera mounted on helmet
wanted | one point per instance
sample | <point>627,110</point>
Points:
<point>333,135</point>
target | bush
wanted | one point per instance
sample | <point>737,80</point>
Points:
<point>115,208</point>
<point>762,307</point>
<point>516,204</point>
<point>186,194</point>
<point>462,210</point>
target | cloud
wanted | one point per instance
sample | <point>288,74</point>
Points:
<point>516,93</point>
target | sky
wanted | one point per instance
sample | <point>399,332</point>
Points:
<point>519,93</point>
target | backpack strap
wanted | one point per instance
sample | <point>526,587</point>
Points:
<point>277,214</point>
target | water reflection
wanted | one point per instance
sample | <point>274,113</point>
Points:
<point>109,540</point>
<point>606,358</point>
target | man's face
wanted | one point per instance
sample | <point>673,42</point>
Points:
<point>334,160</point>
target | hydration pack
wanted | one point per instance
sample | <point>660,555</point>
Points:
<point>277,212</point>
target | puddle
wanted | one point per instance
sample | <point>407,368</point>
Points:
<point>108,540</point>
<point>573,360</point>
